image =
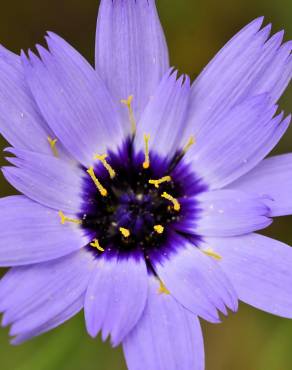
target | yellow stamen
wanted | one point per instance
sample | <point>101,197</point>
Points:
<point>156,183</point>
<point>162,289</point>
<point>125,232</point>
<point>53,143</point>
<point>100,188</point>
<point>128,104</point>
<point>95,244</point>
<point>146,163</point>
<point>211,253</point>
<point>189,144</point>
<point>159,229</point>
<point>108,167</point>
<point>68,219</point>
<point>174,201</point>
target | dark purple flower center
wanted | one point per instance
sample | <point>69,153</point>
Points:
<point>135,217</point>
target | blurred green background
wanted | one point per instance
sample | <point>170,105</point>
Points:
<point>195,31</point>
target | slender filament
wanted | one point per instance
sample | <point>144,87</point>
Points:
<point>174,201</point>
<point>211,253</point>
<point>189,144</point>
<point>146,163</point>
<point>97,183</point>
<point>107,166</point>
<point>128,104</point>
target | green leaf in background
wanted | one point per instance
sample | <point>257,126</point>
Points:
<point>66,348</point>
<point>277,353</point>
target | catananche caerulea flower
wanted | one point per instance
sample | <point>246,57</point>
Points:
<point>142,192</point>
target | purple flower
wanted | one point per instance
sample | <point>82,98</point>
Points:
<point>142,192</point>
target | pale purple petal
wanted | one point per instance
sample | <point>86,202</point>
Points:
<point>195,280</point>
<point>58,320</point>
<point>259,269</point>
<point>116,297</point>
<point>131,52</point>
<point>31,233</point>
<point>9,57</point>
<point>229,213</point>
<point>164,116</point>
<point>238,142</point>
<point>50,181</point>
<point>271,179</point>
<point>20,121</point>
<point>73,99</point>
<point>247,66</point>
<point>167,337</point>
<point>278,69</point>
<point>43,291</point>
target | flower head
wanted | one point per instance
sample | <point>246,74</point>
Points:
<point>142,191</point>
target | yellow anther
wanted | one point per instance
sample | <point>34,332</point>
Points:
<point>162,289</point>
<point>174,201</point>
<point>211,253</point>
<point>95,244</point>
<point>128,104</point>
<point>159,229</point>
<point>108,167</point>
<point>156,183</point>
<point>125,232</point>
<point>53,143</point>
<point>100,188</point>
<point>64,219</point>
<point>146,163</point>
<point>189,144</point>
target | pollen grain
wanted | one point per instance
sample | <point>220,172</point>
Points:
<point>125,232</point>
<point>159,229</point>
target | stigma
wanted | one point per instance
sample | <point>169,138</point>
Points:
<point>53,143</point>
<point>95,244</point>
<point>128,104</point>
<point>158,182</point>
<point>65,219</point>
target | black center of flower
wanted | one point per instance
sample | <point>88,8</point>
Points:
<point>135,216</point>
